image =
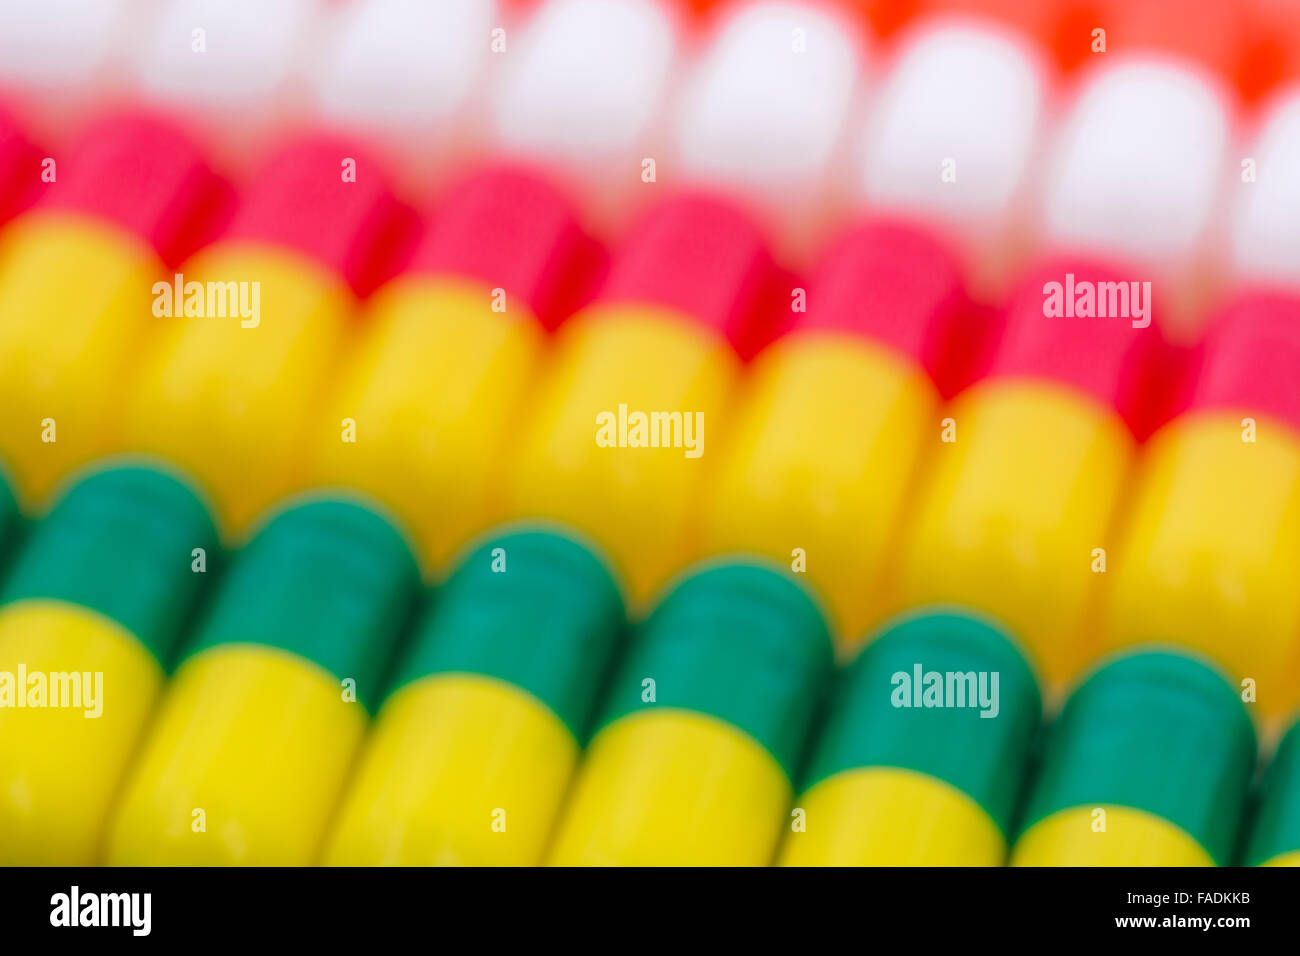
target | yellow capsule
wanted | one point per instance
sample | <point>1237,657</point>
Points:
<point>1131,837</point>
<point>433,392</point>
<point>242,767</point>
<point>1014,512</point>
<point>75,296</point>
<point>884,816</point>
<point>586,460</point>
<point>60,767</point>
<point>425,794</point>
<point>234,400</point>
<point>1210,555</point>
<point>819,465</point>
<point>674,788</point>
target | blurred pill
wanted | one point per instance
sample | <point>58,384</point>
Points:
<point>1147,765</point>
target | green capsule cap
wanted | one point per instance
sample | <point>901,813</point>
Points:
<point>330,581</point>
<point>941,694</point>
<point>739,642</point>
<point>1277,825</point>
<point>10,520</point>
<point>121,542</point>
<point>533,609</point>
<point>1156,731</point>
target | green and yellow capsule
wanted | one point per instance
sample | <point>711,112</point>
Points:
<point>924,752</point>
<point>474,749</point>
<point>264,715</point>
<point>1148,765</point>
<point>94,605</point>
<point>1275,837</point>
<point>704,725</point>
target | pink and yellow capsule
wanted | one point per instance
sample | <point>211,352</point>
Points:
<point>448,352</point>
<point>1209,555</point>
<point>1026,473</point>
<point>249,332</point>
<point>837,415</point>
<point>75,280</point>
<point>638,389</point>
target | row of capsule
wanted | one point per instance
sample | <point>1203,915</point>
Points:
<point>1083,480</point>
<point>784,108</point>
<point>517,724</point>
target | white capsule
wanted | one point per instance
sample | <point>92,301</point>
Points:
<point>237,56</point>
<point>954,127</point>
<point>586,86</point>
<point>768,104</point>
<point>403,64</point>
<point>59,43</point>
<point>1265,228</point>
<point>1136,167</point>
<point>64,61</point>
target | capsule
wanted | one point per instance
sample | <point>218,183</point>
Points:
<point>1029,466</point>
<point>1209,555</point>
<point>585,89</point>
<point>94,605</point>
<point>922,759</point>
<point>235,68</point>
<point>64,59</point>
<point>1275,835</point>
<point>953,137</point>
<point>1264,230</point>
<point>1148,764</point>
<point>638,384</point>
<point>1111,188</point>
<point>20,167</point>
<point>1136,171</point>
<point>743,122</point>
<point>232,391</point>
<point>473,751</point>
<point>401,74</point>
<point>75,283</point>
<point>703,727</point>
<point>255,737</point>
<point>447,354</point>
<point>882,311</point>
